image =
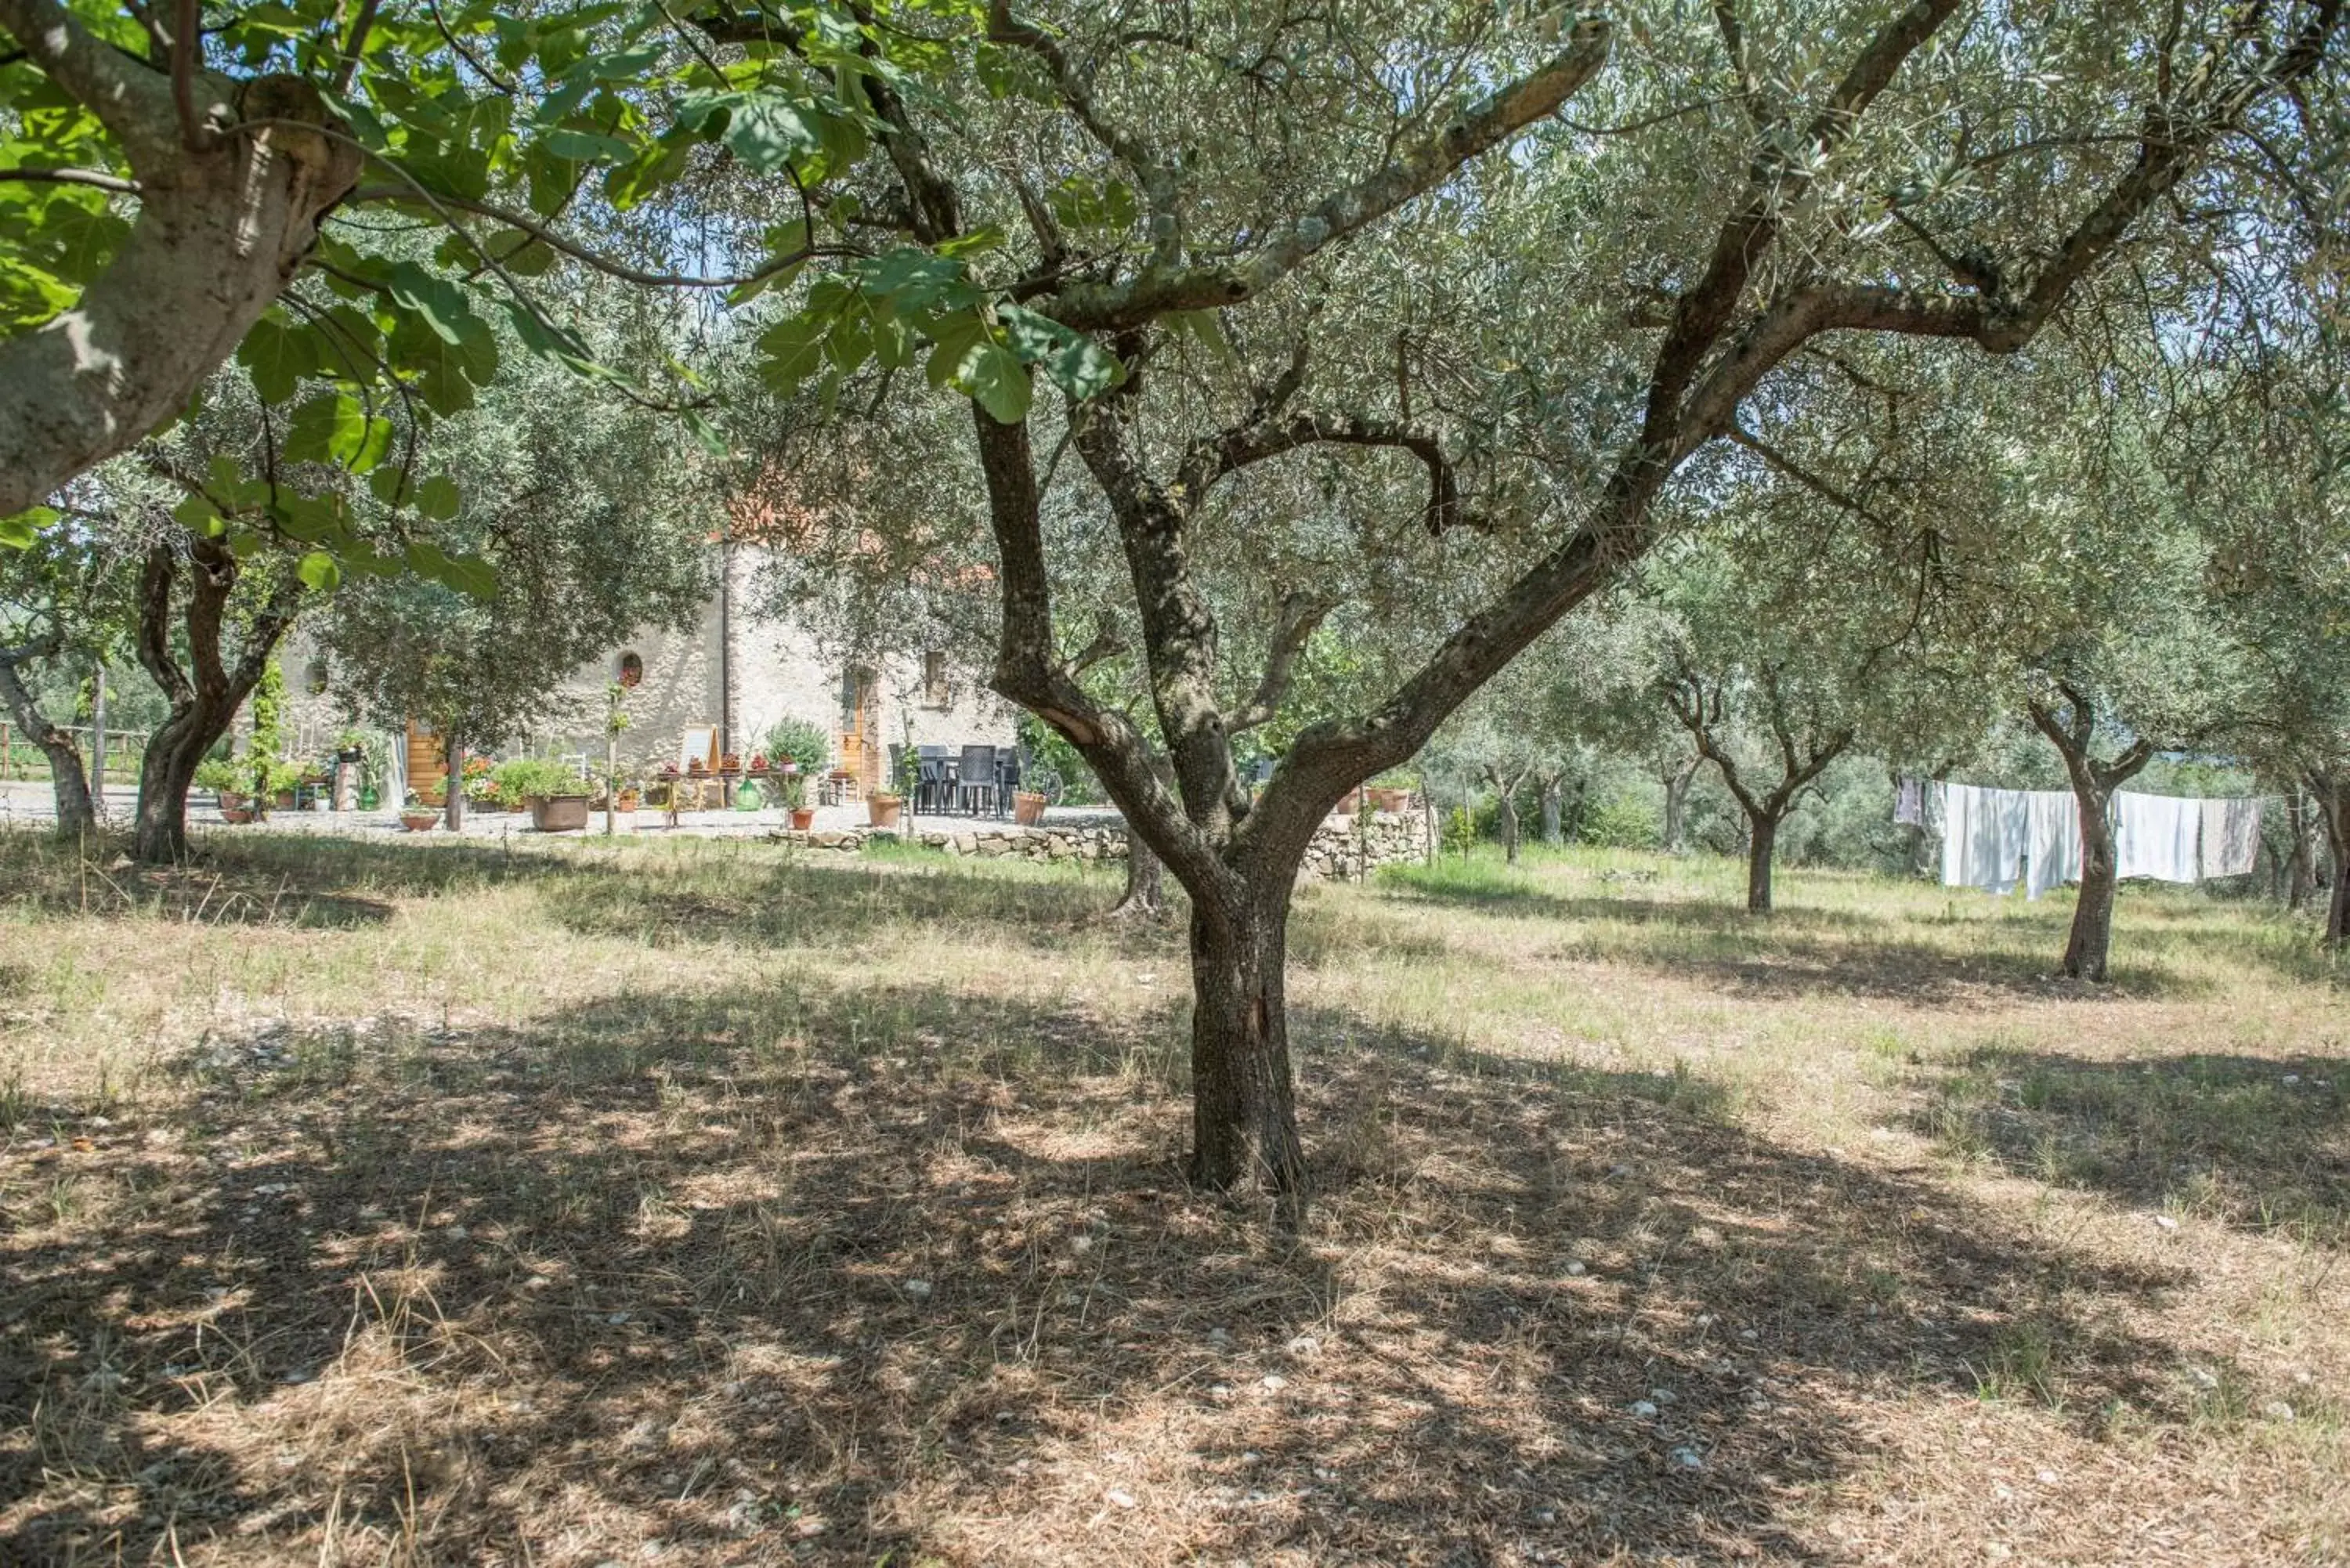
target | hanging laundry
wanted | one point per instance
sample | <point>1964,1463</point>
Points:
<point>1984,835</point>
<point>2158,836</point>
<point>2054,854</point>
<point>2231,836</point>
<point>1909,802</point>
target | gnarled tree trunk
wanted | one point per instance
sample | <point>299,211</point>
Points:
<point>1762,842</point>
<point>205,695</point>
<point>2094,783</point>
<point>77,815</point>
<point>1677,787</point>
<point>2091,935</point>
<point>2300,870</point>
<point>1145,898</point>
<point>2333,792</point>
<point>1243,1109</point>
<point>226,215</point>
<point>174,751</point>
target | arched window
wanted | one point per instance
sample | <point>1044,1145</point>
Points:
<point>632,669</point>
<point>314,678</point>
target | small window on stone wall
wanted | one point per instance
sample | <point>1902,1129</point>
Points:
<point>314,678</point>
<point>632,669</point>
<point>935,692</point>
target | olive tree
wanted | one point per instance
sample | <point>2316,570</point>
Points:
<point>1549,336</point>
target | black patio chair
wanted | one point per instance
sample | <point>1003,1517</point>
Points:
<point>976,777</point>
<point>1007,777</point>
<point>935,779</point>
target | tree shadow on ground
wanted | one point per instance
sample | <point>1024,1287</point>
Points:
<point>1517,894</point>
<point>827,1275</point>
<point>811,901</point>
<point>252,877</point>
<point>1797,951</point>
<point>784,898</point>
<point>2261,1143</point>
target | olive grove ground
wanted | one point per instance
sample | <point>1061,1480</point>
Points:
<point>684,1202</point>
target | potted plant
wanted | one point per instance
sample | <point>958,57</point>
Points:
<point>228,781</point>
<point>730,763</point>
<point>791,788</point>
<point>797,744</point>
<point>556,796</point>
<point>626,800</point>
<point>270,783</point>
<point>1027,807</point>
<point>485,785</point>
<point>415,817</point>
<point>882,809</point>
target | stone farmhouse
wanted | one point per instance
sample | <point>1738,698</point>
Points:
<point>740,670</point>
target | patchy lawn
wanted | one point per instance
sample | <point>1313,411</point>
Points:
<point>685,1203</point>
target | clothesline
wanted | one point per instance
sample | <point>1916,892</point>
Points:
<point>1994,839</point>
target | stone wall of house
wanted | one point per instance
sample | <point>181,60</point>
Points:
<point>1340,851</point>
<point>774,668</point>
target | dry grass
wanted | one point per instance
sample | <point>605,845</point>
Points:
<point>680,1202</point>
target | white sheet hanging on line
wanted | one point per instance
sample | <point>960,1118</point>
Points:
<point>2053,856</point>
<point>2158,836</point>
<point>1984,834</point>
<point>2231,836</point>
<point>1909,803</point>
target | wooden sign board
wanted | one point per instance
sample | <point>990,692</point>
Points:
<point>700,746</point>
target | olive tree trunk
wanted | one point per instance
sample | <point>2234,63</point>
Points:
<point>1243,1109</point>
<point>1761,844</point>
<point>1145,898</point>
<point>2070,732</point>
<point>2091,938</point>
<point>2300,870</point>
<point>452,800</point>
<point>2333,800</point>
<point>77,815</point>
<point>206,693</point>
<point>223,219</point>
<point>1677,781</point>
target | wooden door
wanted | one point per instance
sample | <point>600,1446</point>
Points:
<point>428,762</point>
<point>860,751</point>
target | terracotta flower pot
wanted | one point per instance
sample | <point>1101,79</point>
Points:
<point>558,812</point>
<point>803,818</point>
<point>882,810</point>
<point>419,821</point>
<point>1027,807</point>
<point>626,804</point>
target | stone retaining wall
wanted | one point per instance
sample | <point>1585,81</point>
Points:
<point>1340,849</point>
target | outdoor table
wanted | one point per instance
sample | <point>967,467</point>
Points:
<point>724,777</point>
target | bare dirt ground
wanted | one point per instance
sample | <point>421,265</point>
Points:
<point>375,1203</point>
